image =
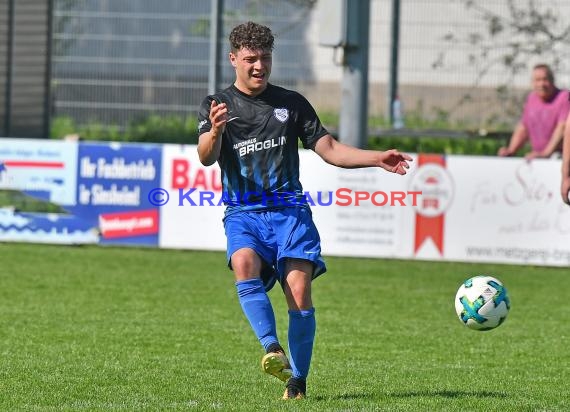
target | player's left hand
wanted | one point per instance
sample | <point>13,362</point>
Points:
<point>394,161</point>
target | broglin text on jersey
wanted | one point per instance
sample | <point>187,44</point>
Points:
<point>252,145</point>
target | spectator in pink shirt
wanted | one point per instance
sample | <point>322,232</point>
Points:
<point>543,119</point>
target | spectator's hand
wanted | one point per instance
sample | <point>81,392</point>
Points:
<point>534,155</point>
<point>504,152</point>
<point>394,161</point>
<point>565,190</point>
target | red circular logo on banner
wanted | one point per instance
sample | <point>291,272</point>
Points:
<point>436,185</point>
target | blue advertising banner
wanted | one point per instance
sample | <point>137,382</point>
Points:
<point>113,181</point>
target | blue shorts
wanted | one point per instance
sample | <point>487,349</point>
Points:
<point>276,235</point>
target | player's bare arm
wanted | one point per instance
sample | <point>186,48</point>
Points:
<point>348,157</point>
<point>565,188</point>
<point>210,143</point>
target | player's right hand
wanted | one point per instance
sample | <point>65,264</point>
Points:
<point>218,117</point>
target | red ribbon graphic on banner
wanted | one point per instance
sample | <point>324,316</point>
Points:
<point>430,221</point>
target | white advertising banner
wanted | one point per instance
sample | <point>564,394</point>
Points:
<point>359,212</point>
<point>507,210</point>
<point>187,219</point>
<point>45,168</point>
<point>457,208</point>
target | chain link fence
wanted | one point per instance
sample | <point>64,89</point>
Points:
<point>4,58</point>
<point>117,62</point>
<point>467,63</point>
<point>463,64</point>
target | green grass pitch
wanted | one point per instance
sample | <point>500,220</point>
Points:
<point>117,329</point>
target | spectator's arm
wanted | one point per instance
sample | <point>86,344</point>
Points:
<point>565,189</point>
<point>553,143</point>
<point>518,139</point>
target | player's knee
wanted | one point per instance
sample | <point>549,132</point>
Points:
<point>298,294</point>
<point>246,264</point>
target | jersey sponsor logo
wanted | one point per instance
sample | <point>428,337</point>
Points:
<point>245,143</point>
<point>253,145</point>
<point>281,114</point>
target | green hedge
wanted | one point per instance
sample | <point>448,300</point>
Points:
<point>482,146</point>
<point>179,130</point>
<point>151,129</point>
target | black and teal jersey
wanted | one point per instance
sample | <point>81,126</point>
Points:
<point>259,156</point>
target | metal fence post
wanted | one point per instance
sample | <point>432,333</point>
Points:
<point>216,32</point>
<point>394,52</point>
<point>353,122</point>
<point>47,101</point>
<point>9,69</point>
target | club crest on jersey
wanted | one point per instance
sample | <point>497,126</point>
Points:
<point>281,114</point>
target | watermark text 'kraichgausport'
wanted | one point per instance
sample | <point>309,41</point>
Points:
<point>339,197</point>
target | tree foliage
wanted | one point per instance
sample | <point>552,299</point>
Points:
<point>512,37</point>
<point>522,32</point>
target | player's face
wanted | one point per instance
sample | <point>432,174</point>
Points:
<point>542,84</point>
<point>253,68</point>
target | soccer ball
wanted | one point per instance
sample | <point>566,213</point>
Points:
<point>482,303</point>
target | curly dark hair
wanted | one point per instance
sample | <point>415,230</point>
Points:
<point>251,36</point>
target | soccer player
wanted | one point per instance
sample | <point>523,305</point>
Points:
<point>251,129</point>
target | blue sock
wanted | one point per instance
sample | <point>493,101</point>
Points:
<point>258,310</point>
<point>302,327</point>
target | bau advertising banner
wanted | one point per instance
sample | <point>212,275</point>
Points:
<point>189,198</point>
<point>357,212</point>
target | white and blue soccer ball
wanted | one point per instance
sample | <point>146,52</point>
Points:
<point>482,303</point>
